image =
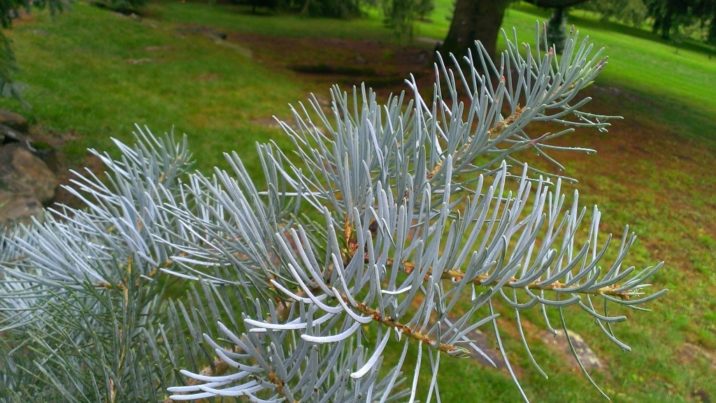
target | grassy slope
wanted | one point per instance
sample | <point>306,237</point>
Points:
<point>81,78</point>
<point>96,73</point>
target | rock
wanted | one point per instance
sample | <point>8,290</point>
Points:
<point>10,135</point>
<point>48,154</point>
<point>13,120</point>
<point>16,208</point>
<point>23,173</point>
<point>558,342</point>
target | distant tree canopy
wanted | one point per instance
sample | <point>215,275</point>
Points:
<point>632,12</point>
<point>472,19</point>
<point>121,6</point>
<point>331,8</point>
<point>314,8</point>
<point>400,14</point>
<point>666,17</point>
<point>670,15</point>
<point>481,19</point>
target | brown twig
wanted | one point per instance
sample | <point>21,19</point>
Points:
<point>404,329</point>
<point>457,275</point>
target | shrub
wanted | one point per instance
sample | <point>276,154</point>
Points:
<point>389,225</point>
<point>332,8</point>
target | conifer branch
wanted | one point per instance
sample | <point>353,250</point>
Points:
<point>409,218</point>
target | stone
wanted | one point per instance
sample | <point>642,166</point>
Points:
<point>10,135</point>
<point>16,208</point>
<point>13,120</point>
<point>558,342</point>
<point>23,173</point>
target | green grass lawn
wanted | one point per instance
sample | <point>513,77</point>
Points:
<point>93,73</point>
<point>96,73</point>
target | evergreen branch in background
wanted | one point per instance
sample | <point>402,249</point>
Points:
<point>411,222</point>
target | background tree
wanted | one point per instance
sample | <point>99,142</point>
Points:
<point>480,20</point>
<point>402,14</point>
<point>632,12</point>
<point>705,12</point>
<point>331,8</point>
<point>712,25</point>
<point>122,6</point>
<point>667,15</point>
<point>312,8</point>
<point>474,20</point>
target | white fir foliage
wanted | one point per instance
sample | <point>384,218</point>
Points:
<point>386,226</point>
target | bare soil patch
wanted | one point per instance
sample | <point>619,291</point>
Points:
<point>325,61</point>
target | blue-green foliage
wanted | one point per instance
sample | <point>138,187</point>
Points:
<point>402,225</point>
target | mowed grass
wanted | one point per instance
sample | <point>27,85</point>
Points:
<point>94,73</point>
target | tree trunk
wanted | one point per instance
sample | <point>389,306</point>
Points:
<point>555,3</point>
<point>712,29</point>
<point>475,20</point>
<point>656,25</point>
<point>556,29</point>
<point>666,24</point>
<point>306,7</point>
